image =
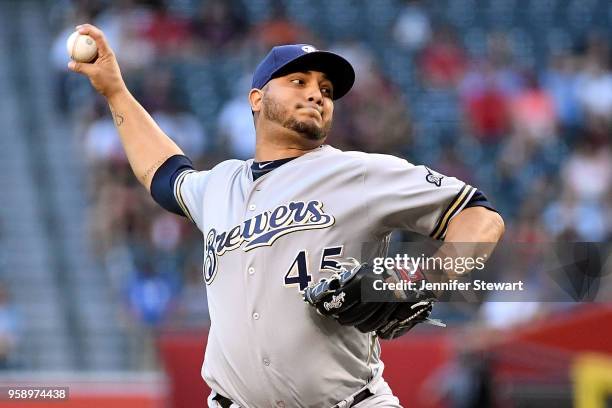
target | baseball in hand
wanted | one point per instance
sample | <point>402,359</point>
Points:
<point>81,47</point>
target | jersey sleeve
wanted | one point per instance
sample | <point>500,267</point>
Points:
<point>189,188</point>
<point>178,188</point>
<point>414,198</point>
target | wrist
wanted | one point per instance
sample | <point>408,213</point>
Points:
<point>120,94</point>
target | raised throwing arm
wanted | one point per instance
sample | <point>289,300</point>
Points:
<point>145,144</point>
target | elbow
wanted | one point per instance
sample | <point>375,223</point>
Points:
<point>498,227</point>
<point>476,224</point>
<point>491,228</point>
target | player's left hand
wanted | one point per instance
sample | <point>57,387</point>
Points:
<point>390,316</point>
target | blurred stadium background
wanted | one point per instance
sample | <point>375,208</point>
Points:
<point>102,291</point>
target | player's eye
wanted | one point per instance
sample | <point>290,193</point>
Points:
<point>327,91</point>
<point>298,81</point>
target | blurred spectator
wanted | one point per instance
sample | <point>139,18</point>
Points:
<point>184,128</point>
<point>451,162</point>
<point>9,329</point>
<point>156,89</point>
<point>121,213</point>
<point>412,29</point>
<point>371,117</point>
<point>527,227</point>
<point>486,107</point>
<point>361,58</point>
<point>571,219</point>
<point>561,81</point>
<point>497,68</point>
<point>235,126</point>
<point>166,232</point>
<point>488,88</point>
<point>124,24</point>
<point>192,306</point>
<point>379,124</point>
<point>595,91</point>
<point>218,25</point>
<point>532,112</point>
<point>464,382</point>
<point>150,295</point>
<point>442,61</point>
<point>169,33</point>
<point>101,141</point>
<point>161,98</point>
<point>135,52</point>
<point>501,57</point>
<point>588,170</point>
<point>595,81</point>
<point>279,29</point>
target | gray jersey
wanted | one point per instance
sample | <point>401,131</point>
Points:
<point>265,240</point>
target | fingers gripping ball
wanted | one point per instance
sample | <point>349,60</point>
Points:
<point>81,47</point>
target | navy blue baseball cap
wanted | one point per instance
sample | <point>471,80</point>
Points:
<point>285,59</point>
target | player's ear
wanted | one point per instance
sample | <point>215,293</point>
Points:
<point>255,98</point>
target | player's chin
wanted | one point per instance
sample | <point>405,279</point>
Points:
<point>308,129</point>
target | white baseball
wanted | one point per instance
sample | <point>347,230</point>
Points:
<point>81,47</point>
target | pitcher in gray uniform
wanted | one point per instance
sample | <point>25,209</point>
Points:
<point>274,224</point>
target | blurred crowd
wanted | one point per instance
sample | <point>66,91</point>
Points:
<point>10,329</point>
<point>530,128</point>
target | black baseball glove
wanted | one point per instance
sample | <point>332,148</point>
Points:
<point>350,298</point>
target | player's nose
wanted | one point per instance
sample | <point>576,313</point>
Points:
<point>314,94</point>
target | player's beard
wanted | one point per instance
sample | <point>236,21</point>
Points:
<point>276,112</point>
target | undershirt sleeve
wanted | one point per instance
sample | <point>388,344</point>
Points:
<point>480,200</point>
<point>162,185</point>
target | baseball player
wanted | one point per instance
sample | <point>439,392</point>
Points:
<point>275,225</point>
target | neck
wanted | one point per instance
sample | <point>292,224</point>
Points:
<point>275,144</point>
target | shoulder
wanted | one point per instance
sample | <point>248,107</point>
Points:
<point>228,166</point>
<point>363,157</point>
<point>222,171</point>
<point>369,161</point>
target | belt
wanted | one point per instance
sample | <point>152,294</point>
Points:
<point>360,396</point>
<point>223,401</point>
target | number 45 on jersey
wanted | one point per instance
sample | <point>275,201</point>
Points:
<point>298,271</point>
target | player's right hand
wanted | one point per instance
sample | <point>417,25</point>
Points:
<point>103,73</point>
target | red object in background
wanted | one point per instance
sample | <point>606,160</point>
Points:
<point>578,330</point>
<point>182,353</point>
<point>91,390</point>
<point>488,114</point>
<point>442,64</point>
<point>167,31</point>
<point>410,360</point>
<point>76,401</point>
<point>277,32</point>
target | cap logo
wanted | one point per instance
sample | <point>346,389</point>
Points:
<point>308,48</point>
